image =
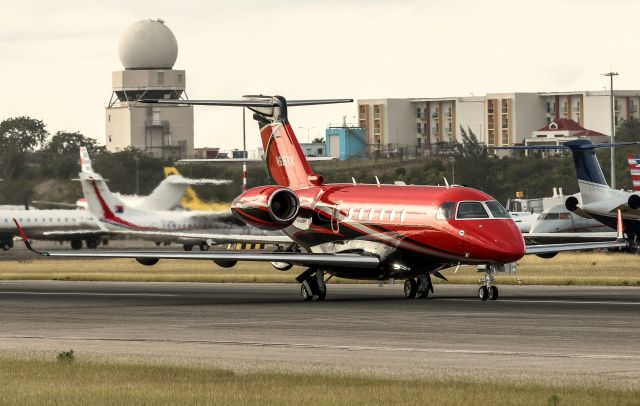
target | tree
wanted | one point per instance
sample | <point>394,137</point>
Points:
<point>24,132</point>
<point>472,161</point>
<point>318,140</point>
<point>69,143</point>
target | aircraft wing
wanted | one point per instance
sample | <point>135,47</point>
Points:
<point>555,248</point>
<point>198,237</point>
<point>559,238</point>
<point>80,233</point>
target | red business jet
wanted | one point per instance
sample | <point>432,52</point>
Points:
<point>373,232</point>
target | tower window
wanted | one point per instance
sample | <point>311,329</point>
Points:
<point>161,78</point>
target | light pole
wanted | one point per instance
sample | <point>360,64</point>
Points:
<point>453,170</point>
<point>244,152</point>
<point>137,161</point>
<point>613,129</point>
<point>308,129</point>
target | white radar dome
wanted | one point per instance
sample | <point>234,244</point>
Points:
<point>148,44</point>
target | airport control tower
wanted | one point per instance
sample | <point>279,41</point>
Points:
<point>148,50</point>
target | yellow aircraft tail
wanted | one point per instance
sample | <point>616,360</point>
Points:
<point>191,200</point>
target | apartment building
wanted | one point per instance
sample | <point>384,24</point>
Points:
<point>497,119</point>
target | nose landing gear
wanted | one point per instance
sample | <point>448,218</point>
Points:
<point>488,290</point>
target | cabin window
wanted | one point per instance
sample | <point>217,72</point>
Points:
<point>403,215</point>
<point>392,215</point>
<point>361,214</point>
<point>472,210</point>
<point>350,215</point>
<point>497,210</point>
<point>372,214</point>
<point>381,216</point>
<point>446,211</point>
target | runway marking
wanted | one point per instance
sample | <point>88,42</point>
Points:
<point>590,302</point>
<point>85,294</point>
<point>337,347</point>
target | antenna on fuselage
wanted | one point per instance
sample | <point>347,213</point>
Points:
<point>377,181</point>
<point>446,183</point>
<point>354,180</point>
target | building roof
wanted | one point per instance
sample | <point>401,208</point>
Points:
<point>566,124</point>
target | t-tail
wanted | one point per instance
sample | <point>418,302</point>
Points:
<point>286,164</point>
<point>100,200</point>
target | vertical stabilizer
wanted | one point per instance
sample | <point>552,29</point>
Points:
<point>634,168</point>
<point>591,181</point>
<point>285,160</point>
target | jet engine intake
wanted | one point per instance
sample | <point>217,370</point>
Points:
<point>267,207</point>
<point>571,203</point>
<point>634,202</point>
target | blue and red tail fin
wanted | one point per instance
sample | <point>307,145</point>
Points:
<point>634,168</point>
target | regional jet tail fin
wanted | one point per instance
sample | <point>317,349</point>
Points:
<point>170,192</point>
<point>591,180</point>
<point>286,163</point>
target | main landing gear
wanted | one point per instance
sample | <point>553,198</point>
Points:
<point>420,286</point>
<point>312,285</point>
<point>488,290</point>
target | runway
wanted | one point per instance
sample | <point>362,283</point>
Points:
<point>540,332</point>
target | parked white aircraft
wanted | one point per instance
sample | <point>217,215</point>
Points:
<point>52,225</point>
<point>165,196</point>
<point>189,228</point>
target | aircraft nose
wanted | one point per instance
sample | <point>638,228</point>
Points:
<point>498,241</point>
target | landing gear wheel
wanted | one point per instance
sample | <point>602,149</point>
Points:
<point>305,292</point>
<point>410,288</point>
<point>483,293</point>
<point>204,246</point>
<point>187,247</point>
<point>493,293</point>
<point>6,246</point>
<point>323,294</point>
<point>424,294</point>
<point>76,244</point>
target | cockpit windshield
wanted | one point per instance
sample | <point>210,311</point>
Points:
<point>446,211</point>
<point>497,210</point>
<point>472,210</point>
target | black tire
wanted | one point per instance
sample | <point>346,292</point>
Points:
<point>158,243</point>
<point>76,244</point>
<point>305,292</point>
<point>493,293</point>
<point>91,243</point>
<point>204,246</point>
<point>6,246</point>
<point>483,293</point>
<point>424,294</point>
<point>323,294</point>
<point>410,288</point>
<point>187,247</point>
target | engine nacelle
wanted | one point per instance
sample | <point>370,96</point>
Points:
<point>634,202</point>
<point>571,203</point>
<point>147,261</point>
<point>267,207</point>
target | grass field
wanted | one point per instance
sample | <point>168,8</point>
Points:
<point>37,381</point>
<point>565,269</point>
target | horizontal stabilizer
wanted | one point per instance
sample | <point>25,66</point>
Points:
<point>251,101</point>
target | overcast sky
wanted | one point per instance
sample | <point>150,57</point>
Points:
<point>57,56</point>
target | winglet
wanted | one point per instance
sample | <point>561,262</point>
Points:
<point>26,240</point>
<point>620,229</point>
